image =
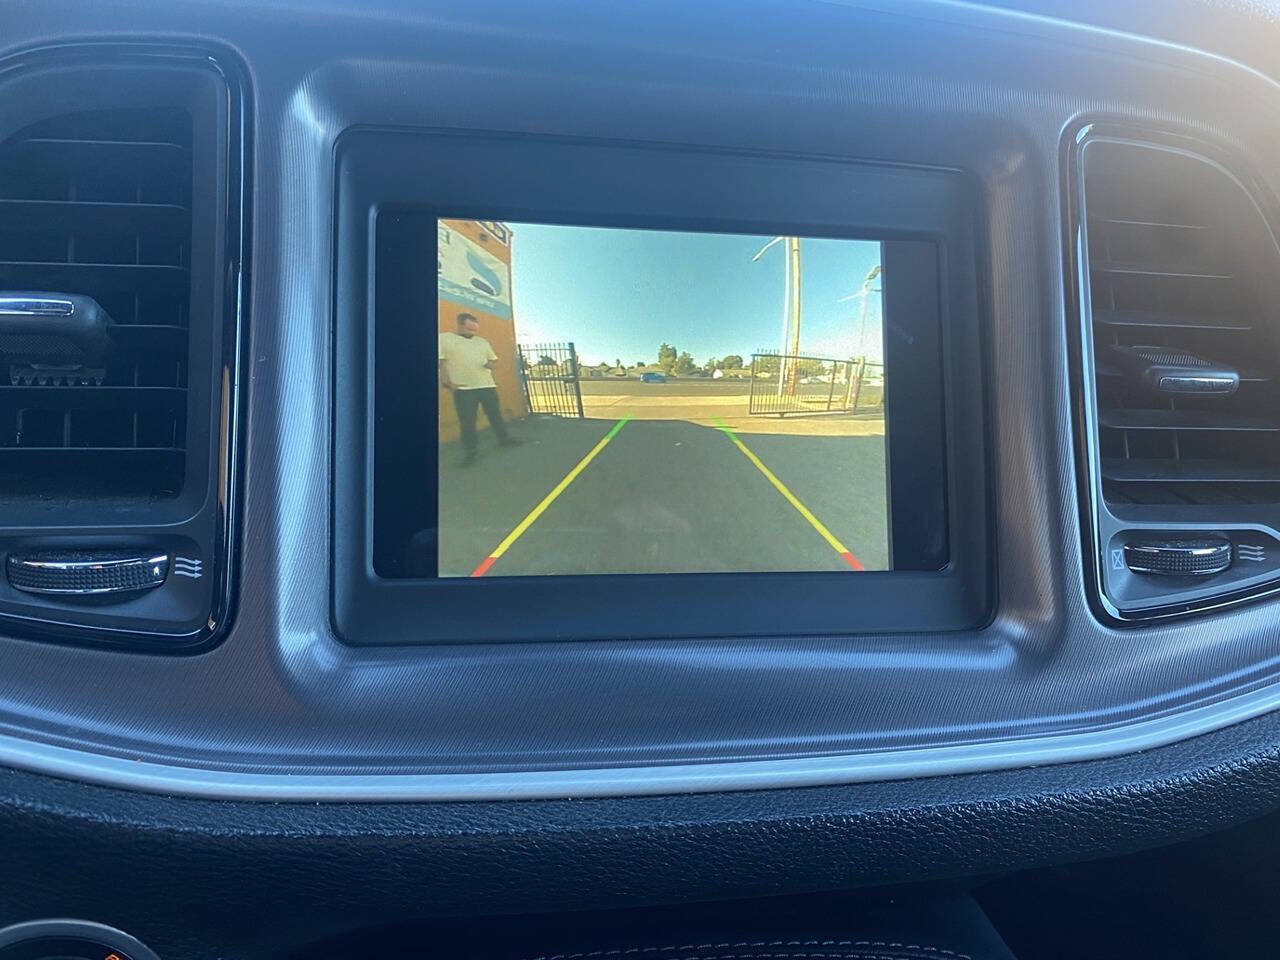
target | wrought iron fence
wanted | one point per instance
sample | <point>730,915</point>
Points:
<point>783,384</point>
<point>549,375</point>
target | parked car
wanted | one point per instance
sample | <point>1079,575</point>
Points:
<point>653,378</point>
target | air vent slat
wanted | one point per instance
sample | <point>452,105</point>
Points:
<point>144,333</point>
<point>164,219</point>
<point>71,449</point>
<point>1157,224</point>
<point>1186,272</point>
<point>1187,471</point>
<point>1176,321</point>
<point>117,469</point>
<point>94,277</point>
<point>1184,420</point>
<point>77,155</point>
<point>90,143</point>
<point>172,399</point>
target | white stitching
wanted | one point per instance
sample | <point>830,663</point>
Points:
<point>634,951</point>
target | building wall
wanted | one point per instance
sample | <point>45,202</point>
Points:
<point>497,322</point>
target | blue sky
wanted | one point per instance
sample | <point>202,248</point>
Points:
<point>620,293</point>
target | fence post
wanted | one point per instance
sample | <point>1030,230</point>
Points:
<point>521,365</point>
<point>831,394</point>
<point>577,383</point>
<point>857,391</point>
<point>751,388</point>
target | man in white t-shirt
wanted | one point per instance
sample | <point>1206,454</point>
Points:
<point>466,370</point>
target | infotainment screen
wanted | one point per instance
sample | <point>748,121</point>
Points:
<point>652,391</point>
<point>638,401</point>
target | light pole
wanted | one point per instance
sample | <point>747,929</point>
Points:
<point>790,306</point>
<point>864,294</point>
<point>793,257</point>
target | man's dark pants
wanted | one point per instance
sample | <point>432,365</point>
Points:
<point>466,403</point>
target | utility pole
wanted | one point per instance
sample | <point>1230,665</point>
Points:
<point>862,328</point>
<point>793,258</point>
<point>865,294</point>
<point>790,302</point>
<point>786,316</point>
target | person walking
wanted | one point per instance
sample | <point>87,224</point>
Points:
<point>467,361</point>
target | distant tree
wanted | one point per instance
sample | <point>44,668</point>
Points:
<point>667,356</point>
<point>545,361</point>
<point>712,365</point>
<point>810,367</point>
<point>641,363</point>
<point>768,363</point>
<point>731,362</point>
<point>684,365</point>
<point>617,362</point>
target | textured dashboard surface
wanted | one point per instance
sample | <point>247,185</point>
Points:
<point>197,879</point>
<point>928,83</point>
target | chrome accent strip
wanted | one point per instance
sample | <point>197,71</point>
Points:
<point>1183,384</point>
<point>1147,557</point>
<point>88,564</point>
<point>35,307</point>
<point>146,776</point>
<point>158,563</point>
<point>1193,551</point>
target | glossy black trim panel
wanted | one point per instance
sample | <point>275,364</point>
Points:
<point>922,216</point>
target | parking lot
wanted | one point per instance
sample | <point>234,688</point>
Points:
<point>675,479</point>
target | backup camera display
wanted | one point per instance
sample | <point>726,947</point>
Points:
<point>618,401</point>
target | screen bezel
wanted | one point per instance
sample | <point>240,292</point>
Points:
<point>657,186</point>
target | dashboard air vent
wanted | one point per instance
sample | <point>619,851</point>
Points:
<point>122,244</point>
<point>1179,276</point>
<point>1184,348</point>
<point>98,204</point>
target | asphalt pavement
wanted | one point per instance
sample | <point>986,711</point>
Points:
<point>662,496</point>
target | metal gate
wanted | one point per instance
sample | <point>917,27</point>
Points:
<point>783,384</point>
<point>549,377</point>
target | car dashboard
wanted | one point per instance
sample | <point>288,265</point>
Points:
<point>293,664</point>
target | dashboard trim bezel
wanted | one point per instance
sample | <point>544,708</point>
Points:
<point>214,521</point>
<point>284,700</point>
<point>388,169</point>
<point>1095,513</point>
<point>717,777</point>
